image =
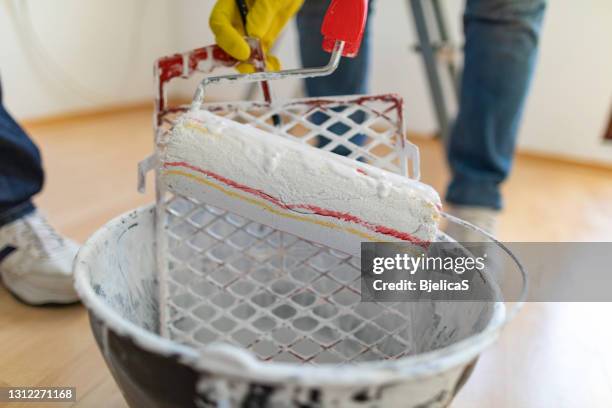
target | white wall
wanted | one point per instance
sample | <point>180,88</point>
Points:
<point>571,101</point>
<point>92,53</point>
<point>566,112</point>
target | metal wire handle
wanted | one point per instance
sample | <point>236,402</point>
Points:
<point>331,66</point>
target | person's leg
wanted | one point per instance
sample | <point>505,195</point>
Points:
<point>21,173</point>
<point>501,41</point>
<point>351,76</point>
<point>35,261</point>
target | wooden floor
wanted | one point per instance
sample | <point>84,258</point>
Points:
<point>550,355</point>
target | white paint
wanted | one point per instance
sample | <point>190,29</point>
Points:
<point>101,254</point>
<point>276,166</point>
<point>271,162</point>
<point>383,189</point>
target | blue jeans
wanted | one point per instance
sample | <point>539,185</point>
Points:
<point>350,78</point>
<point>501,40</point>
<point>21,173</point>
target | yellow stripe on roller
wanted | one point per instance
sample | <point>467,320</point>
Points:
<point>200,128</point>
<point>269,208</point>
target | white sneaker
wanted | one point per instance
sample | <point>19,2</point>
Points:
<point>36,262</point>
<point>482,217</point>
<point>486,219</point>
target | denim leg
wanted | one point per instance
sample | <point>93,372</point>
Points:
<point>501,40</point>
<point>21,173</point>
<point>351,76</point>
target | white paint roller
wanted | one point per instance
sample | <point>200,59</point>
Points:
<point>316,195</point>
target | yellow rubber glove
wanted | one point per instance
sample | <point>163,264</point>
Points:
<point>265,20</point>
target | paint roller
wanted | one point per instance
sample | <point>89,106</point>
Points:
<point>292,186</point>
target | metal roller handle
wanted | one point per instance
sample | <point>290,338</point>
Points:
<point>299,73</point>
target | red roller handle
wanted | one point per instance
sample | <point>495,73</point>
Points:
<point>345,21</point>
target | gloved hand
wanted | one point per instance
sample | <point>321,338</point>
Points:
<point>265,20</point>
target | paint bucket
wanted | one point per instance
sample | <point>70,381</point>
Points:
<point>116,278</point>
